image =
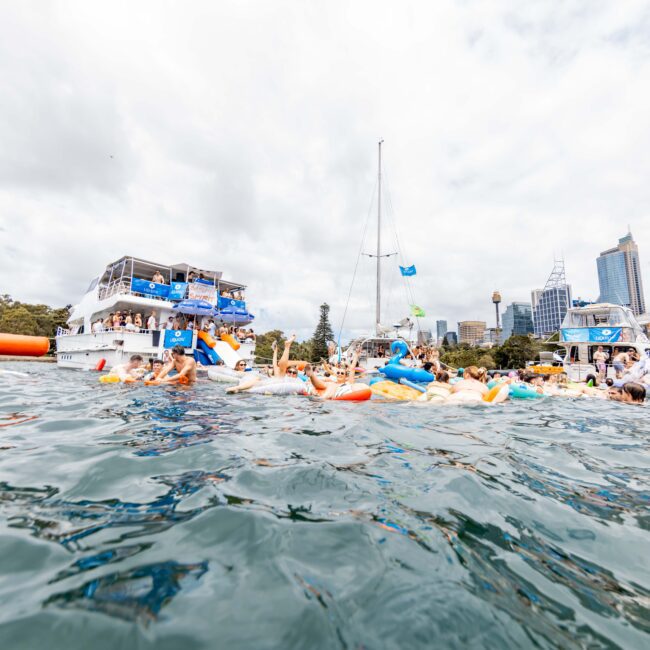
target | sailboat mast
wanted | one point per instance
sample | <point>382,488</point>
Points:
<point>378,306</point>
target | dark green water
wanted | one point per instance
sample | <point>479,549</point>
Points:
<point>134,517</point>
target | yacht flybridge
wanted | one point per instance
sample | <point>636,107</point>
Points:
<point>584,329</point>
<point>135,286</point>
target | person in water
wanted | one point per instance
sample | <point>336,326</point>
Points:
<point>326,389</point>
<point>156,368</point>
<point>630,393</point>
<point>185,368</point>
<point>471,387</point>
<point>129,371</point>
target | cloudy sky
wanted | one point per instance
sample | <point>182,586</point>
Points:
<point>242,136</point>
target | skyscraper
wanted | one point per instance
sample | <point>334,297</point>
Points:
<point>471,331</point>
<point>619,275</point>
<point>441,329</point>
<point>551,302</point>
<point>517,320</point>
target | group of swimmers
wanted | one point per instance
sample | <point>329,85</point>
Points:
<point>176,368</point>
<point>475,384</point>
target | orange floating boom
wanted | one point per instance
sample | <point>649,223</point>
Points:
<point>24,346</point>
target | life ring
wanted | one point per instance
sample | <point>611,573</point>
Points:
<point>231,341</point>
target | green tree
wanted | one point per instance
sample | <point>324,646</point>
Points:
<point>18,320</point>
<point>516,351</point>
<point>322,335</point>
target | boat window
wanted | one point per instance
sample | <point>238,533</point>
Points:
<point>93,284</point>
<point>606,348</point>
<point>573,354</point>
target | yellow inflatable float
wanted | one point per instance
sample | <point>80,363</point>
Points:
<point>394,391</point>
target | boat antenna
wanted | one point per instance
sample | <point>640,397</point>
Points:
<point>378,306</point>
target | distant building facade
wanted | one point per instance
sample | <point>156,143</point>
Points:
<point>441,329</point>
<point>471,331</point>
<point>517,320</point>
<point>551,303</point>
<point>451,338</point>
<point>619,275</point>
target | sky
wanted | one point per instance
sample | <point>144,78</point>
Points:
<point>242,136</point>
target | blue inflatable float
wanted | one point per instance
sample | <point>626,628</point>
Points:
<point>396,371</point>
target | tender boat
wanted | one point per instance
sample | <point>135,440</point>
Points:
<point>127,285</point>
<point>584,329</point>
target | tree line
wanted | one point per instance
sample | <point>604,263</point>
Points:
<point>31,319</point>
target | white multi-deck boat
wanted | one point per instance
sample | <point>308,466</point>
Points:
<point>584,329</point>
<point>127,285</point>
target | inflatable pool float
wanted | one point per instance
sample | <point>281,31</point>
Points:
<point>352,393</point>
<point>23,345</point>
<point>436,392</point>
<point>395,370</point>
<point>279,387</point>
<point>226,375</point>
<point>497,393</point>
<point>524,391</point>
<point>394,391</point>
<point>114,379</point>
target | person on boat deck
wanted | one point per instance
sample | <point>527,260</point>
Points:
<point>151,321</point>
<point>191,276</point>
<point>250,336</point>
<point>108,321</point>
<point>620,361</point>
<point>212,327</point>
<point>128,371</point>
<point>185,368</point>
<point>190,324</point>
<point>117,320</point>
<point>381,352</point>
<point>158,278</point>
<point>137,321</point>
<point>600,359</point>
<point>471,387</point>
<point>326,389</point>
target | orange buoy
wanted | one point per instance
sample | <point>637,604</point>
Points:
<point>100,364</point>
<point>24,346</point>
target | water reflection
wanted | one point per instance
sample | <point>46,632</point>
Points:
<point>134,595</point>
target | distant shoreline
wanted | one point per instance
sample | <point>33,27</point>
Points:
<point>11,357</point>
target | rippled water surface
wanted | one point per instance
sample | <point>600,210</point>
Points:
<point>182,518</point>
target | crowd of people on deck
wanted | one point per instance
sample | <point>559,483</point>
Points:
<point>130,321</point>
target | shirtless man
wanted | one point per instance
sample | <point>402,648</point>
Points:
<point>620,363</point>
<point>129,371</point>
<point>185,368</point>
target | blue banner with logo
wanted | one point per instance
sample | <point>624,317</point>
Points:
<point>149,288</point>
<point>178,337</point>
<point>231,302</point>
<point>177,290</point>
<point>591,334</point>
<point>407,270</point>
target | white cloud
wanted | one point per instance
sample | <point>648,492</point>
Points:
<point>242,135</point>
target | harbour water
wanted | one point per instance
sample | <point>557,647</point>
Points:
<point>183,518</point>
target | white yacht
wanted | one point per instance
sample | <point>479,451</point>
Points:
<point>127,286</point>
<point>584,329</point>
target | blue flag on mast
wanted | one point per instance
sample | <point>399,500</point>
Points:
<point>407,270</point>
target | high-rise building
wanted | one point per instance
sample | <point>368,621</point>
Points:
<point>517,320</point>
<point>441,329</point>
<point>550,304</point>
<point>471,331</point>
<point>619,275</point>
<point>451,338</point>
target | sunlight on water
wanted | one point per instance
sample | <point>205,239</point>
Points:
<point>175,518</point>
